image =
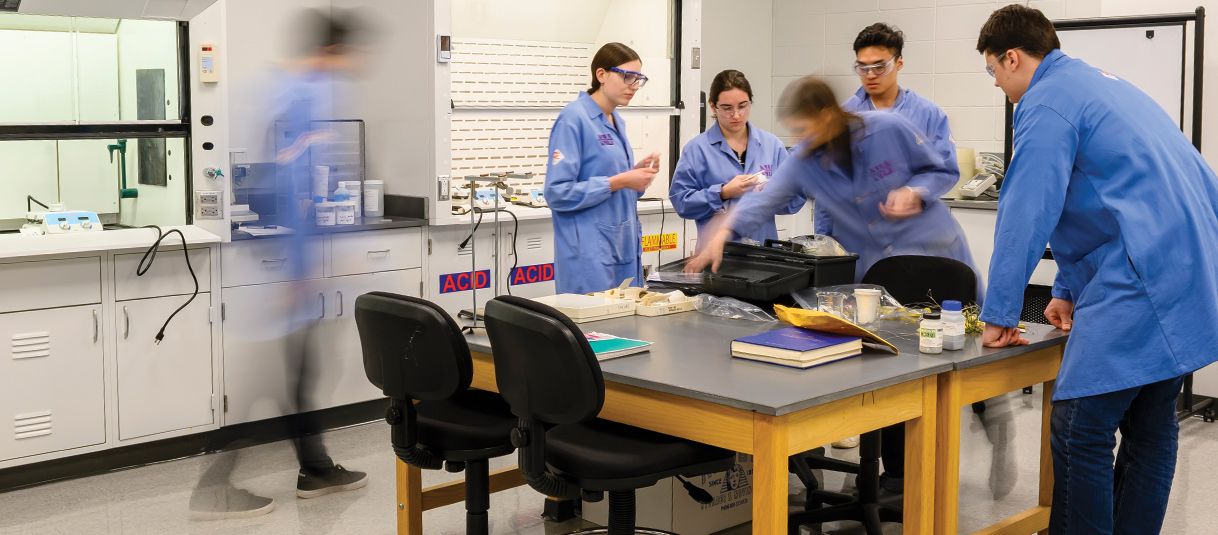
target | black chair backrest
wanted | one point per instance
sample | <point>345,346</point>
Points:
<point>412,348</point>
<point>920,279</point>
<point>545,369</point>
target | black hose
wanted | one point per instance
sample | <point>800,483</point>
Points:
<point>150,256</point>
<point>403,430</point>
<point>515,258</point>
<point>532,462</point>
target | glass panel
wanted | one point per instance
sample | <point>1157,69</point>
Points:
<point>88,69</point>
<point>37,64</point>
<point>87,174</point>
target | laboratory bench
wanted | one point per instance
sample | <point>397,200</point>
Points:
<point>773,412</point>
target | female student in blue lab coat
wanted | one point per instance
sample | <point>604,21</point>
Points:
<point>717,167</point>
<point>1104,176</point>
<point>593,183</point>
<point>878,178</point>
<point>878,61</point>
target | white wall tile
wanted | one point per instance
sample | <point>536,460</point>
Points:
<point>919,58</point>
<point>1053,9</point>
<point>962,2</point>
<point>799,60</point>
<point>922,84</point>
<point>851,6</point>
<point>839,60</point>
<point>1082,9</point>
<point>798,30</point>
<point>780,84</point>
<point>958,56</point>
<point>843,86</point>
<point>798,8</point>
<point>842,28</point>
<point>964,90</point>
<point>1000,123</point>
<point>961,22</point>
<point>971,124</point>
<point>916,24</point>
<point>905,4</point>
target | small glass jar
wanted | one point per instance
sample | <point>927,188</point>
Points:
<point>930,333</point>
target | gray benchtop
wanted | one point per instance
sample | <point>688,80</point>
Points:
<point>967,203</point>
<point>361,224</point>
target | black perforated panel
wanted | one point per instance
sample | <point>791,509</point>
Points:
<point>1035,299</point>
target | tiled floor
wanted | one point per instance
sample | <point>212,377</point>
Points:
<point>153,499</point>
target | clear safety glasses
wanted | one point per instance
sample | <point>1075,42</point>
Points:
<point>878,69</point>
<point>728,111</point>
<point>632,79</point>
<point>989,69</point>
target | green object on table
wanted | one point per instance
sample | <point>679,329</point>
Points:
<point>124,192</point>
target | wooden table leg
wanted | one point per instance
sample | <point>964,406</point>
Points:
<point>770,444</point>
<point>1046,449</point>
<point>919,513</point>
<point>947,458</point>
<point>410,499</point>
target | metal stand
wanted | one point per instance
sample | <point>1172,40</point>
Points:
<point>473,243</point>
<point>1191,404</point>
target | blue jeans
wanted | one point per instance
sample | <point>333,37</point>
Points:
<point>1091,495</point>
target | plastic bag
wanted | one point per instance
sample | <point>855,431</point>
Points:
<point>889,307</point>
<point>729,307</point>
<point>818,245</point>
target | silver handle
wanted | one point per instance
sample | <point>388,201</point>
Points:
<point>382,251</point>
<point>340,303</point>
<point>275,261</point>
<point>127,323</point>
<point>323,305</point>
<point>95,325</point>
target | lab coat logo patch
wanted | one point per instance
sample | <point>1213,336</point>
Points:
<point>880,171</point>
<point>557,156</point>
<point>605,139</point>
<point>1106,75</point>
<point>767,170</point>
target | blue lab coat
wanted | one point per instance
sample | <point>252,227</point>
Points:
<point>1104,176</point>
<point>887,153</point>
<point>708,162</point>
<point>925,115</point>
<point>597,235</point>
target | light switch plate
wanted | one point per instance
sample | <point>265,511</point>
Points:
<point>696,58</point>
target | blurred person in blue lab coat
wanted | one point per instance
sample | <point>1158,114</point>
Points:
<point>593,183</point>
<point>878,61</point>
<point>301,94</point>
<point>1106,177</point>
<point>728,160</point>
<point>875,174</point>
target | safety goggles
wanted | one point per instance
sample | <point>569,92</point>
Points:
<point>878,69</point>
<point>989,69</point>
<point>728,111</point>
<point>632,79</point>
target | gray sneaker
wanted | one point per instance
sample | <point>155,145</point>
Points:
<point>336,479</point>
<point>227,502</point>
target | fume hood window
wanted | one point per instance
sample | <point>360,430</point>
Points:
<point>77,70</point>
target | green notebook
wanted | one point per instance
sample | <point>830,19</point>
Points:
<point>608,346</point>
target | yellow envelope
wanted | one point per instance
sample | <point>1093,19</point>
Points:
<point>820,321</point>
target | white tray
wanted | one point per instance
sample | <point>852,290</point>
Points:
<point>582,308</point>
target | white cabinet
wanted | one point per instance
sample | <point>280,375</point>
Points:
<point>167,386</point>
<point>978,225</point>
<point>51,386</point>
<point>275,334</point>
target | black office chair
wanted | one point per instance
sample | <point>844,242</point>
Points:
<point>413,350</point>
<point>549,376</point>
<point>910,280</point>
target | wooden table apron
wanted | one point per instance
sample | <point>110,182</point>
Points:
<point>961,388</point>
<point>770,439</point>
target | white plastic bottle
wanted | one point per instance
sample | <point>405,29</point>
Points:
<point>930,333</point>
<point>374,198</point>
<point>953,326</point>
<point>342,194</point>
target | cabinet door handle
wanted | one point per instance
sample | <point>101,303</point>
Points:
<point>126,323</point>
<point>323,305</point>
<point>274,261</point>
<point>94,325</point>
<point>382,251</point>
<point>340,303</point>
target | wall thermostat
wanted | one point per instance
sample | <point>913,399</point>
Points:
<point>444,48</point>
<point>207,64</point>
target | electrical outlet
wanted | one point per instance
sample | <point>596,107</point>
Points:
<point>209,204</point>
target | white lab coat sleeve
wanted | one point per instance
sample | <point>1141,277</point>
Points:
<point>759,207</point>
<point>932,177</point>
<point>689,197</point>
<point>564,191</point>
<point>1033,197</point>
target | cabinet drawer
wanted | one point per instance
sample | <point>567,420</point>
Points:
<point>371,251</point>
<point>50,283</point>
<point>270,260</point>
<point>167,276</point>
